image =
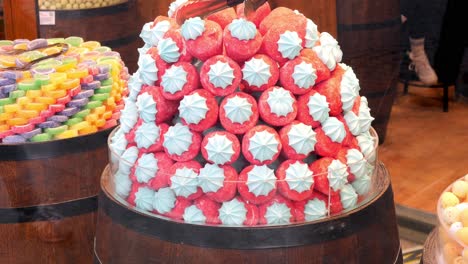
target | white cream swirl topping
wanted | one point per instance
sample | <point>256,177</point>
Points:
<point>365,118</point>
<point>278,213</point>
<point>173,7</point>
<point>304,75</point>
<point>147,69</point>
<point>174,79</point>
<point>233,213</point>
<point>356,162</point>
<point>311,35</point>
<point>299,177</point>
<point>147,166</point>
<point>352,120</point>
<point>334,129</point>
<point>146,135</point>
<point>280,101</point>
<point>318,107</point>
<point>289,44</point>
<point>238,109</point>
<point>129,116</point>
<point>168,50</point>
<point>193,108</point>
<point>315,209</point>
<point>194,215</point>
<point>119,143</point>
<point>123,184</point>
<point>348,196</point>
<point>242,29</point>
<point>221,75</point>
<point>337,175</point>
<point>128,159</point>
<point>263,145</point>
<point>184,182</point>
<point>164,200</point>
<point>211,178</point>
<point>302,138</point>
<point>144,199</point>
<point>362,185</point>
<point>256,72</point>
<point>192,28</point>
<point>147,107</point>
<point>134,85</point>
<point>219,149</point>
<point>261,180</point>
<point>177,139</point>
<point>366,144</point>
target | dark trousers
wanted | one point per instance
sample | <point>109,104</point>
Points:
<point>453,41</point>
<point>420,15</point>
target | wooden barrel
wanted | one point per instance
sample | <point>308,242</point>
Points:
<point>365,235</point>
<point>117,27</point>
<point>368,32</point>
<point>48,199</point>
<point>369,35</point>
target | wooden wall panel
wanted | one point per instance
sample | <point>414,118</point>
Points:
<point>20,19</point>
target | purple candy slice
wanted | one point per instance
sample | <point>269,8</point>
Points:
<point>2,95</point>
<point>84,94</point>
<point>43,70</point>
<point>111,54</point>
<point>6,81</point>
<point>14,139</point>
<point>58,118</point>
<point>6,89</point>
<point>11,75</point>
<point>78,102</point>
<point>104,69</point>
<point>101,76</point>
<point>37,44</point>
<point>69,111</point>
<point>48,124</point>
<point>91,86</point>
<point>19,41</point>
<point>31,133</point>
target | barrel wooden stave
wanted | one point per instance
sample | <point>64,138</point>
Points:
<point>48,199</point>
<point>119,242</point>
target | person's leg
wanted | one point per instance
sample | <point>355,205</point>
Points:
<point>419,23</point>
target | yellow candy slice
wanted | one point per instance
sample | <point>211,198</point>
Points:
<point>106,115</point>
<point>12,108</point>
<point>58,77</point>
<point>6,116</point>
<point>35,106</point>
<point>77,73</point>
<point>49,87</point>
<point>67,134</point>
<point>45,100</point>
<point>91,45</point>
<point>99,110</point>
<point>27,113</point>
<point>52,50</point>
<point>17,121</point>
<point>91,118</point>
<point>24,100</point>
<point>80,125</point>
<point>33,94</point>
<point>100,123</point>
<point>4,128</point>
<point>21,46</point>
<point>69,84</point>
<point>55,94</point>
<point>7,61</point>
<point>88,130</point>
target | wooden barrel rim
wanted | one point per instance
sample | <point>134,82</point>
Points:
<point>100,11</point>
<point>48,212</point>
<point>248,237</point>
<point>54,148</point>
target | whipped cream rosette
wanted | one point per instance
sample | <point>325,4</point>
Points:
<point>261,145</point>
<point>219,183</point>
<point>298,75</point>
<point>183,179</point>
<point>313,108</point>
<point>298,140</point>
<point>203,38</point>
<point>277,106</point>
<point>203,210</point>
<point>220,75</point>
<point>178,80</point>
<point>220,147</point>
<point>199,110</point>
<point>295,180</point>
<point>257,184</point>
<point>330,175</point>
<point>241,40</point>
<point>180,143</point>
<point>259,73</point>
<point>278,210</point>
<point>238,113</point>
<point>238,212</point>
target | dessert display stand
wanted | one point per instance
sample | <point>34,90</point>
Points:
<point>48,199</point>
<point>367,234</point>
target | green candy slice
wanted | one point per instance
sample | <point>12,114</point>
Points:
<point>17,94</point>
<point>106,82</point>
<point>41,137</point>
<point>93,104</point>
<point>74,41</point>
<point>100,97</point>
<point>27,85</point>
<point>6,101</point>
<point>103,89</point>
<point>73,121</point>
<point>56,130</point>
<point>82,114</point>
